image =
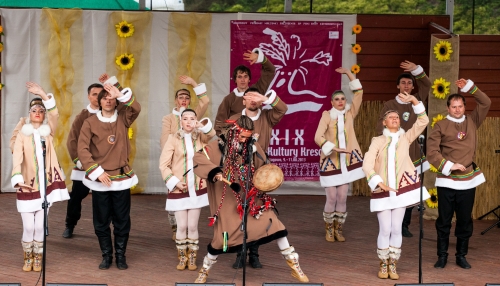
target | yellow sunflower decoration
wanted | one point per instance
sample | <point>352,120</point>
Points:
<point>1,30</point>
<point>443,51</point>
<point>433,169</point>
<point>125,61</point>
<point>357,29</point>
<point>436,119</point>
<point>355,69</point>
<point>124,29</point>
<point>1,47</point>
<point>130,133</point>
<point>1,86</point>
<point>441,88</point>
<point>432,202</point>
<point>0,68</point>
<point>356,48</point>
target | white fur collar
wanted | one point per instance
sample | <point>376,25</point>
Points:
<point>237,93</point>
<point>456,120</point>
<point>400,102</point>
<point>91,110</point>
<point>178,113</point>
<point>388,133</point>
<point>334,113</point>
<point>244,112</point>
<point>107,119</point>
<point>43,130</point>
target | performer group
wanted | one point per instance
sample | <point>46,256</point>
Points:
<point>213,164</point>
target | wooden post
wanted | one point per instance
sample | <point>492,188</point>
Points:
<point>450,9</point>
<point>288,6</point>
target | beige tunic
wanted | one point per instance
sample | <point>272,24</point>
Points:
<point>388,161</point>
<point>263,230</point>
<point>407,117</point>
<point>336,129</point>
<point>444,147</point>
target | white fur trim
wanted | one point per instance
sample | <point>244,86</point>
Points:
<point>112,80</point>
<point>426,166</point>
<point>260,58</point>
<point>417,71</point>
<point>77,175</point>
<point>207,127</point>
<point>91,110</point>
<point>238,93</point>
<point>419,108</point>
<point>344,178</point>
<point>96,173</point>
<point>327,148</point>
<point>51,103</point>
<point>447,168</point>
<point>107,119</point>
<point>177,113</point>
<point>388,133</point>
<point>172,182</point>
<point>16,180</point>
<point>468,86</point>
<point>398,201</point>
<point>200,89</point>
<point>456,120</point>
<point>374,181</point>
<point>79,164</point>
<point>255,118</point>
<point>127,94</point>
<point>334,113</point>
<point>400,102</point>
<point>355,85</point>
<point>44,130</point>
<point>460,184</point>
<point>254,149</point>
<point>115,186</point>
<point>27,129</point>
<point>271,97</point>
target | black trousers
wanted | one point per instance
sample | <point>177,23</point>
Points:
<point>461,202</point>
<point>111,206</point>
<point>74,209</point>
<point>407,217</point>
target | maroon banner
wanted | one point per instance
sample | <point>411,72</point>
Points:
<point>305,55</point>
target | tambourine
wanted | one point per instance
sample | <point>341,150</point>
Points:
<point>268,178</point>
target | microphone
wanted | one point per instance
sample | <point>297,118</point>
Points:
<point>421,139</point>
<point>42,138</point>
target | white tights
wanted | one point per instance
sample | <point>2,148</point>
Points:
<point>390,223</point>
<point>33,226</point>
<point>336,198</point>
<point>187,220</point>
<point>282,244</point>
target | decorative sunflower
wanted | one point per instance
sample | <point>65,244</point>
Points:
<point>125,61</point>
<point>0,68</point>
<point>1,30</point>
<point>436,119</point>
<point>356,29</point>
<point>1,47</point>
<point>356,48</point>
<point>433,169</point>
<point>1,86</point>
<point>443,51</point>
<point>355,69</point>
<point>124,29</point>
<point>432,202</point>
<point>133,187</point>
<point>441,88</point>
<point>130,133</point>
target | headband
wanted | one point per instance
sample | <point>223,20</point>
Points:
<point>390,111</point>
<point>239,128</point>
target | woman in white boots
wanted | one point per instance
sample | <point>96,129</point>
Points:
<point>187,193</point>
<point>341,158</point>
<point>394,182</point>
<point>29,170</point>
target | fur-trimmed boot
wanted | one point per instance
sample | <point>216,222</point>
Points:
<point>193,247</point>
<point>338,222</point>
<point>181,253</point>
<point>28,255</point>
<point>292,259</point>
<point>38,253</point>
<point>394,254</point>
<point>328,218</point>
<point>383,255</point>
<point>203,273</point>
<point>173,223</point>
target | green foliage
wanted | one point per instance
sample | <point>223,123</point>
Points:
<point>486,14</point>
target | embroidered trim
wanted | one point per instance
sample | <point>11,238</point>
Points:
<point>473,90</point>
<point>92,168</point>
<point>422,75</point>
<point>168,178</point>
<point>275,102</point>
<point>130,101</point>
<point>75,160</point>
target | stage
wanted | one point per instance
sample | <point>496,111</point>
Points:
<point>152,256</point>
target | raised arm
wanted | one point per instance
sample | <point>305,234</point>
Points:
<point>483,102</point>
<point>423,82</point>
<point>278,107</point>
<point>206,128</point>
<point>131,108</point>
<point>201,93</point>
<point>267,72</point>
<point>422,118</point>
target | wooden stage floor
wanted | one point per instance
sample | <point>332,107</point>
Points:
<point>152,256</point>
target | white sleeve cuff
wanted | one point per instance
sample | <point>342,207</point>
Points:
<point>417,71</point>
<point>327,148</point>
<point>172,182</point>
<point>79,164</point>
<point>254,149</point>
<point>207,127</point>
<point>112,80</point>
<point>468,86</point>
<point>260,59</point>
<point>447,168</point>
<point>127,94</point>
<point>16,180</point>
<point>51,103</point>
<point>200,89</point>
<point>271,97</point>
<point>419,108</point>
<point>374,181</point>
<point>355,85</point>
<point>96,173</point>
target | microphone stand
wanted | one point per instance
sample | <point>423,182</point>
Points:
<point>245,210</point>
<point>45,206</point>
<point>421,211</point>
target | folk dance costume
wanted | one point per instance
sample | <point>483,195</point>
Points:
<point>28,168</point>
<point>103,146</point>
<point>336,128</point>
<point>176,165</point>
<point>263,225</point>
<point>387,161</point>
<point>453,141</point>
